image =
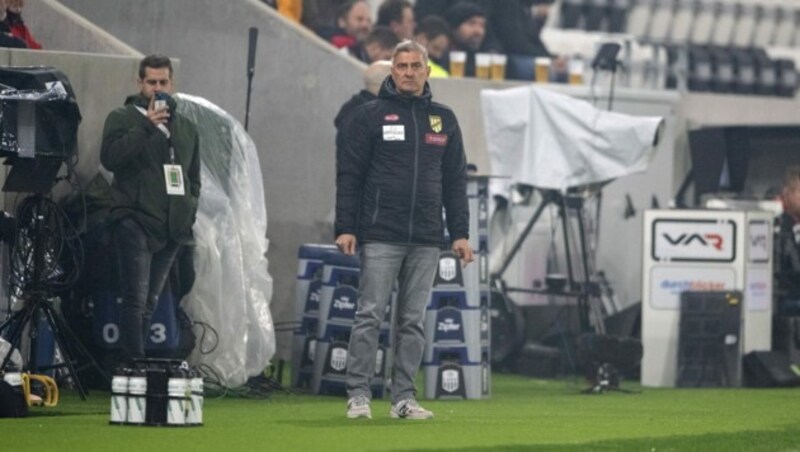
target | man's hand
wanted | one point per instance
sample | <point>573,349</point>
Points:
<point>464,251</point>
<point>347,244</point>
<point>157,116</point>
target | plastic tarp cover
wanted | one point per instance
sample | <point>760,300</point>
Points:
<point>57,110</point>
<point>553,141</point>
<point>55,91</point>
<point>232,288</point>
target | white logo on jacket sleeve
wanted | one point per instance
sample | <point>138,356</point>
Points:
<point>394,133</point>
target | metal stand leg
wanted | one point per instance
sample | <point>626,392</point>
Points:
<point>37,301</point>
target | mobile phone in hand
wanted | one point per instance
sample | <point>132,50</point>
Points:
<point>160,101</point>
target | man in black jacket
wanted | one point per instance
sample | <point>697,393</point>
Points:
<point>518,24</point>
<point>399,161</point>
<point>374,76</point>
<point>470,34</point>
<point>787,243</point>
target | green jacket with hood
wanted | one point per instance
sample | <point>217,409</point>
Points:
<point>136,151</point>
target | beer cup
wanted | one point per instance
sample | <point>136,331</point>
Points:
<point>576,71</point>
<point>457,61</point>
<point>498,70</point>
<point>542,69</point>
<point>483,63</point>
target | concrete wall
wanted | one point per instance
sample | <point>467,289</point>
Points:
<point>298,87</point>
<point>57,27</point>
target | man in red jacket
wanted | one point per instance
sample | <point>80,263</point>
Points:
<point>17,26</point>
<point>353,23</point>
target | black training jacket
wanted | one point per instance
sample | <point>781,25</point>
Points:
<point>398,162</point>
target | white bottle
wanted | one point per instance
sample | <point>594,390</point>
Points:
<point>137,397</point>
<point>119,398</point>
<point>194,412</point>
<point>177,389</point>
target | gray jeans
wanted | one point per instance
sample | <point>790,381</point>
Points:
<point>142,275</point>
<point>414,267</point>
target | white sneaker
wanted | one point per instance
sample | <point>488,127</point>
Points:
<point>358,406</point>
<point>409,409</point>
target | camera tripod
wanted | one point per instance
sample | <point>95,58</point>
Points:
<point>579,287</point>
<point>37,226</point>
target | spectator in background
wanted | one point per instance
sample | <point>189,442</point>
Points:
<point>374,76</point>
<point>18,28</point>
<point>434,34</point>
<point>517,25</point>
<point>468,22</point>
<point>425,8</point>
<point>353,24</point>
<point>320,15</point>
<point>291,9</point>
<point>787,241</point>
<point>379,45</point>
<point>7,39</point>
<point>398,15</point>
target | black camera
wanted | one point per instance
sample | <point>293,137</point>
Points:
<point>39,120</point>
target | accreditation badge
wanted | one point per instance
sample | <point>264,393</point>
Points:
<point>394,132</point>
<point>174,178</point>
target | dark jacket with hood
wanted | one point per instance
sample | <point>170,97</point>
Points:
<point>350,106</point>
<point>398,162</point>
<point>136,151</point>
<point>517,29</point>
<point>786,261</point>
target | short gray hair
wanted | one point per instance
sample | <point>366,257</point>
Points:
<point>409,45</point>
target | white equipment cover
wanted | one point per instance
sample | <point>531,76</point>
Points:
<point>552,141</point>
<point>233,288</point>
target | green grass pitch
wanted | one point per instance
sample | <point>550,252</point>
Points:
<point>522,414</point>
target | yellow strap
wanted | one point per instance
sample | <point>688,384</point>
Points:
<point>50,389</point>
<point>26,388</point>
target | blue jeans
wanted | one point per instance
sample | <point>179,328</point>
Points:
<point>414,268</point>
<point>142,274</point>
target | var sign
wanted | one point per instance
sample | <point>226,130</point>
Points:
<point>694,240</point>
